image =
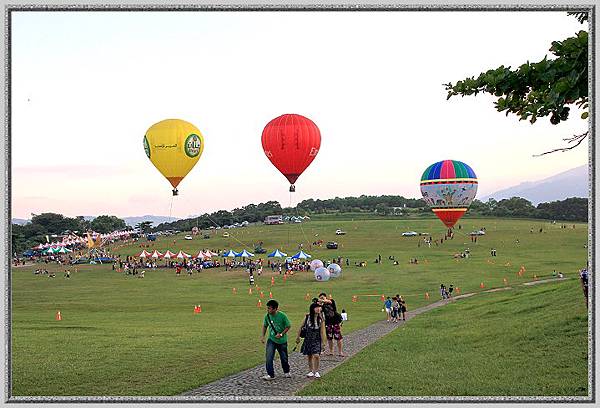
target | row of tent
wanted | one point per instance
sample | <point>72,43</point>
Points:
<point>208,254</point>
<point>74,239</point>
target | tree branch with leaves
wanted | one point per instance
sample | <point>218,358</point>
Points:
<point>539,89</point>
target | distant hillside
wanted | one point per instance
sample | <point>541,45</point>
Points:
<point>571,183</point>
<point>130,221</point>
<point>19,221</point>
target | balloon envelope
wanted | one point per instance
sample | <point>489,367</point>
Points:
<point>334,270</point>
<point>316,263</point>
<point>449,187</point>
<point>322,274</point>
<point>291,142</point>
<point>174,147</point>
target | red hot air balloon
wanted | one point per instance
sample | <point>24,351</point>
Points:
<point>291,142</point>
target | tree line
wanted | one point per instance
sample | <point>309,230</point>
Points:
<point>48,224</point>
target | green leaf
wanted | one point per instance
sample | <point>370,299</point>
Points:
<point>585,115</point>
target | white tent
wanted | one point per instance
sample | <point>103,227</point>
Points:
<point>144,254</point>
<point>182,255</point>
<point>301,255</point>
<point>168,255</point>
<point>245,254</point>
<point>156,254</point>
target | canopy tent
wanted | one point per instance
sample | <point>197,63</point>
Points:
<point>156,254</point>
<point>40,246</point>
<point>51,250</point>
<point>211,253</point>
<point>208,254</point>
<point>277,254</point>
<point>182,255</point>
<point>144,254</point>
<point>64,250</point>
<point>199,255</point>
<point>168,255</point>
<point>229,254</point>
<point>301,255</point>
<point>245,254</point>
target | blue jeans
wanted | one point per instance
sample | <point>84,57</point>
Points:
<point>283,355</point>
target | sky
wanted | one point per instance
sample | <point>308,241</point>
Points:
<point>87,85</point>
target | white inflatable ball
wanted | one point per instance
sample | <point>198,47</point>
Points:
<point>334,270</point>
<point>315,263</point>
<point>322,274</point>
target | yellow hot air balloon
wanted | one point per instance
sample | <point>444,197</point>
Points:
<point>174,147</point>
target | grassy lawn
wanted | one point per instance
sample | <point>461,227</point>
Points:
<point>520,342</point>
<point>121,335</point>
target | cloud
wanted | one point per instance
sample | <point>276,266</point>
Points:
<point>70,170</point>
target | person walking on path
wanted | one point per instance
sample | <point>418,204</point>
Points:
<point>402,304</point>
<point>278,324</point>
<point>388,308</point>
<point>314,338</point>
<point>332,323</point>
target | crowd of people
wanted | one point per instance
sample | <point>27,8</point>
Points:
<point>320,327</point>
<point>395,308</point>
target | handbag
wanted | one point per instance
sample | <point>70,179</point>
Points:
<point>303,328</point>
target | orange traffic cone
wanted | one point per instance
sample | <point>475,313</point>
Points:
<point>355,299</point>
<point>234,291</point>
<point>457,290</point>
<point>427,295</point>
<point>249,291</point>
<point>307,296</point>
<point>382,297</point>
<point>259,304</point>
<point>58,315</point>
<point>270,295</point>
<point>505,281</point>
<point>197,309</point>
<point>481,285</point>
<point>262,295</point>
<point>258,288</point>
<point>272,281</point>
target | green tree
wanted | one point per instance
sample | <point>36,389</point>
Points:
<point>145,226</point>
<point>515,207</point>
<point>107,223</point>
<point>541,88</point>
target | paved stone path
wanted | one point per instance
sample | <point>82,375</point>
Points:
<point>250,383</point>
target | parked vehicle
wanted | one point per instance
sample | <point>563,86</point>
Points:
<point>410,234</point>
<point>332,245</point>
<point>340,232</point>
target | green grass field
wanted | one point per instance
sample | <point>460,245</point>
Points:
<point>121,335</point>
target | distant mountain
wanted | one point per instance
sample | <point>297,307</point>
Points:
<point>571,183</point>
<point>155,219</point>
<point>19,221</point>
<point>130,221</point>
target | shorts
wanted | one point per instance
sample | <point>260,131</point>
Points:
<point>333,331</point>
<point>388,310</point>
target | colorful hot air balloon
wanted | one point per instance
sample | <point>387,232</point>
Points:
<point>174,147</point>
<point>449,187</point>
<point>291,142</point>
